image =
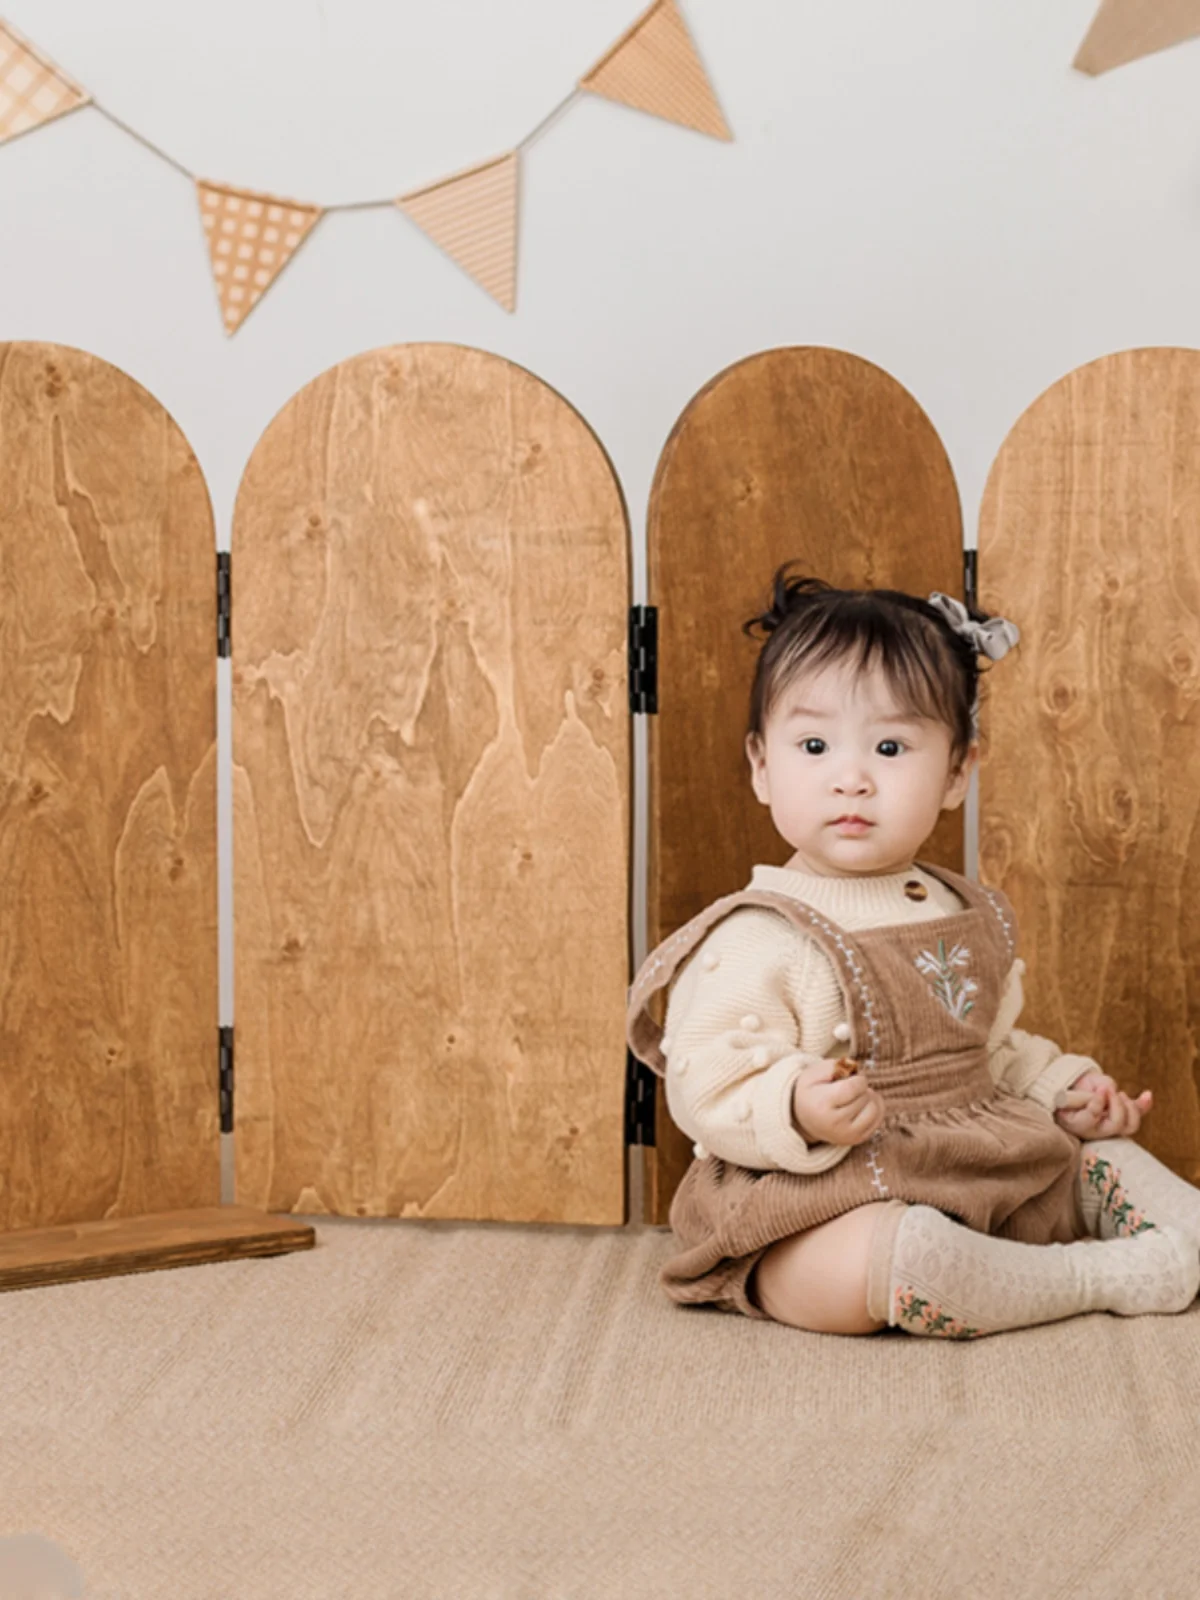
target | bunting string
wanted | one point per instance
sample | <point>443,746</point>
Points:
<point>471,215</point>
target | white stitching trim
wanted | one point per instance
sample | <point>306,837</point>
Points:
<point>864,994</point>
<point>1005,922</point>
<point>876,1170</point>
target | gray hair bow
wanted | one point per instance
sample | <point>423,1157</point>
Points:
<point>993,638</point>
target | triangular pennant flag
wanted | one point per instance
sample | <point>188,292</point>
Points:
<point>472,216</point>
<point>1126,30</point>
<point>654,67</point>
<point>251,238</point>
<point>32,89</point>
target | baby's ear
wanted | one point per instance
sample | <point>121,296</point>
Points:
<point>960,779</point>
<point>754,755</point>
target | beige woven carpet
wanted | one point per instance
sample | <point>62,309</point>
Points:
<point>467,1410</point>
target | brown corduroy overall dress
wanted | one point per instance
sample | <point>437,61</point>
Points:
<point>920,999</point>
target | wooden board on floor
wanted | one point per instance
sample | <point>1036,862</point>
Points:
<point>108,843</point>
<point>1089,804</point>
<point>431,799</point>
<point>68,1253</point>
<point>798,453</point>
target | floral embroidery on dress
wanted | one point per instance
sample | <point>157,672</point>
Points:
<point>1104,1178</point>
<point>930,1319</point>
<point>953,992</point>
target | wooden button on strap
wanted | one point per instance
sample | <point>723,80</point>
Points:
<point>916,890</point>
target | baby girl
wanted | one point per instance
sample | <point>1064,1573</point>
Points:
<point>876,1143</point>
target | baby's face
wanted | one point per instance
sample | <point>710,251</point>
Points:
<point>836,744</point>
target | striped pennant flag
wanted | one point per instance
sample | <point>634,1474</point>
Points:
<point>32,89</point>
<point>472,216</point>
<point>654,67</point>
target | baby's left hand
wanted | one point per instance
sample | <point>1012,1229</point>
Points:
<point>1094,1108</point>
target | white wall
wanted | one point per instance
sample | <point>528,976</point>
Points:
<point>924,182</point>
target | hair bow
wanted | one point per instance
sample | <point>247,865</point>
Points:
<point>993,638</point>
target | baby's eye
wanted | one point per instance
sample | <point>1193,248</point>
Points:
<point>804,746</point>
<point>898,743</point>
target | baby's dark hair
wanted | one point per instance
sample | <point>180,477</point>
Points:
<point>931,670</point>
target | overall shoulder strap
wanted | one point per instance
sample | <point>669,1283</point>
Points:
<point>980,895</point>
<point>643,1034</point>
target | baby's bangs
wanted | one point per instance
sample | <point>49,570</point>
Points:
<point>825,644</point>
<point>917,690</point>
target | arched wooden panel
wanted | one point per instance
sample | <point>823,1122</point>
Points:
<point>1089,797</point>
<point>108,875</point>
<point>432,823</point>
<point>797,453</point>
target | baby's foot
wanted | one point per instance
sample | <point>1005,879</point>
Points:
<point>1156,1272</point>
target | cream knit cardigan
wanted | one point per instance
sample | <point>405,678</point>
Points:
<point>740,1027</point>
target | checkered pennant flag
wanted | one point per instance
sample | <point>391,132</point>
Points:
<point>32,89</point>
<point>251,238</point>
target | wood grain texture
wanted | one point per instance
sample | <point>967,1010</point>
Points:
<point>1089,539</point>
<point>431,799</point>
<point>797,453</point>
<point>66,1254</point>
<point>108,874</point>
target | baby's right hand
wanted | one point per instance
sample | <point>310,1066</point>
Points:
<point>842,1111</point>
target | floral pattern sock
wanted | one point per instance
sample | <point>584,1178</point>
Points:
<point>1125,1191</point>
<point>945,1280</point>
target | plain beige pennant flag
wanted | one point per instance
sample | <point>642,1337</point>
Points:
<point>654,67</point>
<point>1125,30</point>
<point>32,89</point>
<point>251,238</point>
<point>472,216</point>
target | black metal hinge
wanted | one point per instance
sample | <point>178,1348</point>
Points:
<point>639,1101</point>
<point>225,1077</point>
<point>643,658</point>
<point>970,578</point>
<point>224,603</point>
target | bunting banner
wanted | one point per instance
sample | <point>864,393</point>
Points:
<point>471,215</point>
<point>1125,30</point>
<point>654,67</point>
<point>33,90</point>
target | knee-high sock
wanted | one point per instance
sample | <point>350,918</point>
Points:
<point>1125,1190</point>
<point>930,1275</point>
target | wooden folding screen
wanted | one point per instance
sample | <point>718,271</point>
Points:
<point>432,817</point>
<point>109,1148</point>
<point>432,768</point>
<point>808,454</point>
<point>1089,539</point>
